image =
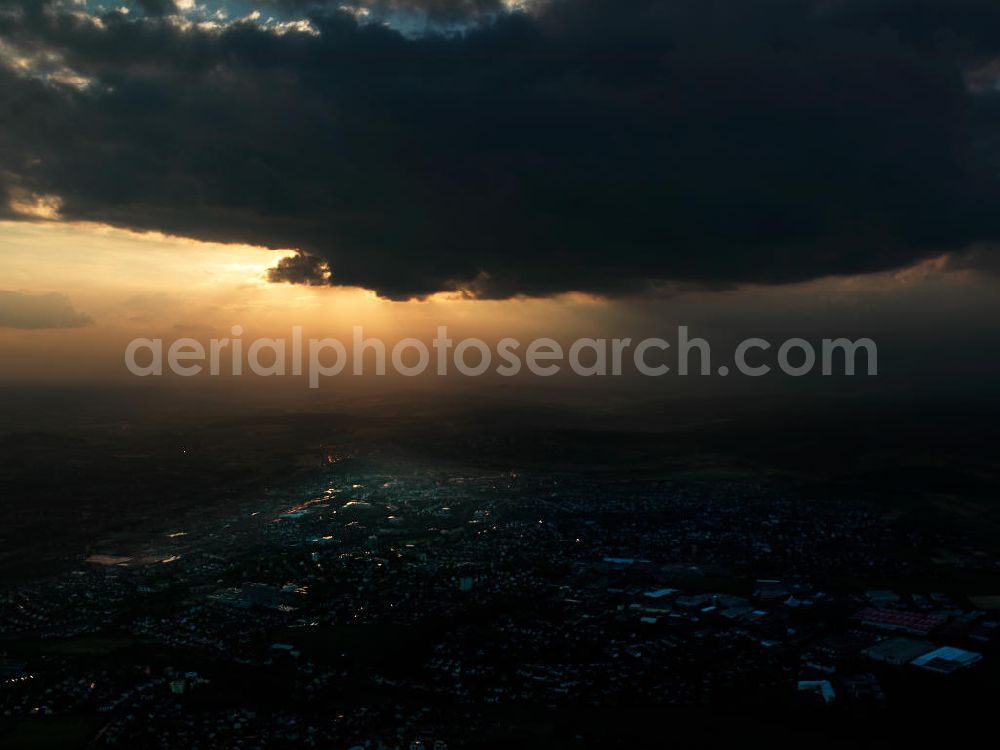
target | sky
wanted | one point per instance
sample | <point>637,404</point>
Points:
<point>556,167</point>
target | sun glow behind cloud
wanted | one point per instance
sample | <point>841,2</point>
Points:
<point>153,285</point>
<point>127,285</point>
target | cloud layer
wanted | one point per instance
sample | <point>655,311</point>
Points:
<point>20,310</point>
<point>586,145</point>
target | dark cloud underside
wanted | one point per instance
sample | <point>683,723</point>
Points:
<point>157,7</point>
<point>590,145</point>
<point>439,10</point>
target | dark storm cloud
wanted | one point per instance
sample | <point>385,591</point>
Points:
<point>441,10</point>
<point>157,7</point>
<point>300,269</point>
<point>20,310</point>
<point>589,145</point>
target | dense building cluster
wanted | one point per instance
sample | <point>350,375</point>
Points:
<point>417,608</point>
